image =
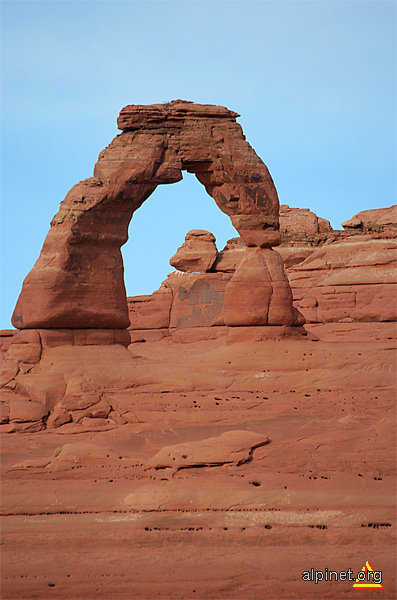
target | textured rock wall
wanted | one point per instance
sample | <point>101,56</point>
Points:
<point>335,276</point>
<point>345,275</point>
<point>347,280</point>
<point>24,350</point>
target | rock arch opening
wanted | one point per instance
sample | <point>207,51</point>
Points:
<point>159,227</point>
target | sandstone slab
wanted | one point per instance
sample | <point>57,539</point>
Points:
<point>231,447</point>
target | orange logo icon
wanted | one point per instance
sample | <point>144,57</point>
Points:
<point>368,578</point>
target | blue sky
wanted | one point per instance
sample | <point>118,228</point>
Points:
<point>314,82</point>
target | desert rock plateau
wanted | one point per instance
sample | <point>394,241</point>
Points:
<point>227,433</point>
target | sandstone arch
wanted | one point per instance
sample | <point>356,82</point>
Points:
<point>77,282</point>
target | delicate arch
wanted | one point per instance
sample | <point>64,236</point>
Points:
<point>78,280</point>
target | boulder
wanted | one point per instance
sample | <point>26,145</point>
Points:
<point>197,254</point>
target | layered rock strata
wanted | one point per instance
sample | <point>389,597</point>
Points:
<point>345,276</point>
<point>61,377</point>
<point>335,276</point>
<point>380,220</point>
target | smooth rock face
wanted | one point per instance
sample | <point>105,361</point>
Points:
<point>184,301</point>
<point>197,253</point>
<point>151,311</point>
<point>231,256</point>
<point>217,466</point>
<point>77,282</point>
<point>247,297</point>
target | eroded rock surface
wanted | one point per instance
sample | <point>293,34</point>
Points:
<point>302,221</point>
<point>284,454</point>
<point>231,447</point>
<point>335,276</point>
<point>77,281</point>
<point>201,469</point>
<point>376,220</point>
<point>74,297</point>
<point>345,275</point>
<point>197,253</point>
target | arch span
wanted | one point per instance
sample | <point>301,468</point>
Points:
<point>78,280</point>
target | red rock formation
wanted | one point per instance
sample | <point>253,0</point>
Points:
<point>232,447</point>
<point>152,311</point>
<point>197,299</point>
<point>197,253</point>
<point>215,299</point>
<point>77,281</point>
<point>176,461</point>
<point>301,221</point>
<point>337,276</point>
<point>380,219</point>
<point>6,337</point>
<point>347,275</point>
<point>73,302</point>
<point>259,283</point>
<point>334,275</point>
<point>284,455</point>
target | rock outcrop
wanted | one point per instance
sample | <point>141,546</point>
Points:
<point>259,283</point>
<point>377,220</point>
<point>197,253</point>
<point>345,276</point>
<point>247,289</point>
<point>74,297</point>
<point>77,282</point>
<point>335,276</point>
<point>301,221</point>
